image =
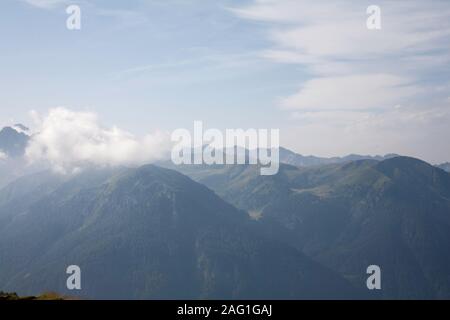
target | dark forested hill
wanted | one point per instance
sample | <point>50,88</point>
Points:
<point>147,233</point>
<point>303,233</point>
<point>394,213</point>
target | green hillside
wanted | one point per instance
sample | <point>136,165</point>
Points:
<point>394,213</point>
<point>152,233</point>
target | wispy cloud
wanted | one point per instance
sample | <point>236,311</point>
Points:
<point>46,4</point>
<point>196,60</point>
<point>332,39</point>
<point>367,91</point>
<point>125,17</point>
<point>357,75</point>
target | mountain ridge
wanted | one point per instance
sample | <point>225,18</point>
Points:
<point>153,233</point>
<point>13,142</point>
<point>395,213</point>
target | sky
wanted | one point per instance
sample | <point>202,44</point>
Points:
<point>309,68</point>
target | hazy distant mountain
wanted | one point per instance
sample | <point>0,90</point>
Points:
<point>394,213</point>
<point>13,142</point>
<point>146,233</point>
<point>20,127</point>
<point>444,166</point>
<point>290,157</point>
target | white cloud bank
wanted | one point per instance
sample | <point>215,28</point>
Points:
<point>71,141</point>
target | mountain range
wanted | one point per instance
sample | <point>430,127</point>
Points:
<point>14,140</point>
<point>147,233</point>
<point>394,213</point>
<point>295,159</point>
<point>226,232</point>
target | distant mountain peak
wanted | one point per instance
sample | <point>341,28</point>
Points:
<point>20,128</point>
<point>13,141</point>
<point>290,157</point>
<point>444,166</point>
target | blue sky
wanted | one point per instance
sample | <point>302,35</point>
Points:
<point>311,69</point>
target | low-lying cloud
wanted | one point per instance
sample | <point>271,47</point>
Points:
<point>70,141</point>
